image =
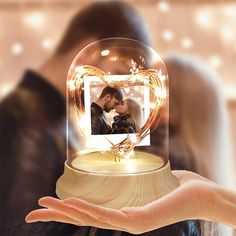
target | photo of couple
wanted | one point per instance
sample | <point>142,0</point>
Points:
<point>129,114</point>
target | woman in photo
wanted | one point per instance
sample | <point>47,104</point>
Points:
<point>129,118</point>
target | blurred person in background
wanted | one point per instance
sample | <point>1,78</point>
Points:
<point>199,138</point>
<point>32,120</point>
<point>198,123</point>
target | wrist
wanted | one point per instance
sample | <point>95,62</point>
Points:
<point>224,207</point>
<point>213,203</point>
<point>207,201</point>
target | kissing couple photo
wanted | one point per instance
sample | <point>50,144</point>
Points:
<point>128,113</point>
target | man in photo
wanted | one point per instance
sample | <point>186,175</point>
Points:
<point>109,99</point>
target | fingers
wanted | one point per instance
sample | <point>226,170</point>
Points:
<point>111,216</point>
<point>127,219</point>
<point>46,215</point>
<point>75,214</point>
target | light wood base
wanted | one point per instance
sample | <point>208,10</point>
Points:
<point>96,162</point>
<point>117,190</point>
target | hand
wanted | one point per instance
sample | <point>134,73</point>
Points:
<point>194,199</point>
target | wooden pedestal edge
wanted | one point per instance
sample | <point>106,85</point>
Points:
<point>118,190</point>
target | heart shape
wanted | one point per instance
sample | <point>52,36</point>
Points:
<point>150,77</point>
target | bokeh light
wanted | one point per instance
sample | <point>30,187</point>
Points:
<point>34,20</point>
<point>17,48</point>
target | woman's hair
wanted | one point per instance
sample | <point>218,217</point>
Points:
<point>135,112</point>
<point>198,116</point>
<point>199,135</point>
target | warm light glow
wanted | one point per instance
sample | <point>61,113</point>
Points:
<point>228,34</point>
<point>131,165</point>
<point>105,52</point>
<point>71,85</point>
<point>161,76</point>
<point>204,18</point>
<point>47,43</point>
<point>152,105</point>
<point>167,35</point>
<point>215,61</point>
<point>122,146</point>
<point>129,155</point>
<point>229,10</point>
<point>34,19</point>
<point>127,90</point>
<point>5,89</point>
<point>163,6</point>
<point>17,48</point>
<point>83,123</point>
<point>100,163</point>
<point>136,88</point>
<point>79,69</point>
<point>229,91</point>
<point>114,59</point>
<point>186,43</point>
<point>161,93</point>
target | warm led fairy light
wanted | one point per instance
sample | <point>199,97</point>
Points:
<point>17,48</point>
<point>163,6</point>
<point>167,35</point>
<point>215,61</point>
<point>47,43</point>
<point>105,52</point>
<point>229,10</point>
<point>204,18</point>
<point>5,89</point>
<point>228,34</point>
<point>34,19</point>
<point>187,43</point>
<point>151,78</point>
<point>71,85</point>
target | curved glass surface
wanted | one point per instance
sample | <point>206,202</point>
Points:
<point>117,108</point>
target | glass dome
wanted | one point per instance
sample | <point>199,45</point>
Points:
<point>117,108</point>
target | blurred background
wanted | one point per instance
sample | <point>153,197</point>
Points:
<point>30,30</point>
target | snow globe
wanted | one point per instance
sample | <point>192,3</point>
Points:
<point>117,126</point>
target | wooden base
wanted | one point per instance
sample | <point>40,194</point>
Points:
<point>116,190</point>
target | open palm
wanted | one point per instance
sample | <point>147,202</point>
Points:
<point>193,199</point>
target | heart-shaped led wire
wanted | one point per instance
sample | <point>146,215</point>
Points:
<point>153,79</point>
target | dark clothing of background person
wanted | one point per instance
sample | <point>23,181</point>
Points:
<point>99,123</point>
<point>123,124</point>
<point>32,125</point>
<point>32,155</point>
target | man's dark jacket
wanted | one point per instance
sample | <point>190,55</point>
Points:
<point>32,128</point>
<point>99,123</point>
<point>122,124</point>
